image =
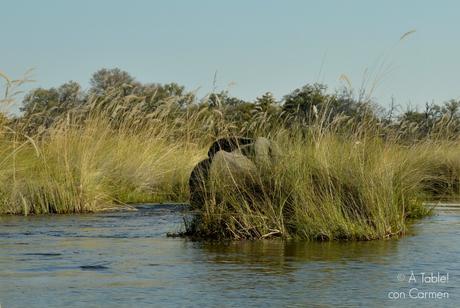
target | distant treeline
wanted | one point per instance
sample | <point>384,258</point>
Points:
<point>43,107</point>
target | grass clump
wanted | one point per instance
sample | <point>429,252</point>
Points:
<point>76,167</point>
<point>327,186</point>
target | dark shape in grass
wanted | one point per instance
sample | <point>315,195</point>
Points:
<point>200,174</point>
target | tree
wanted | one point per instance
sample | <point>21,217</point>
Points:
<point>154,94</point>
<point>41,107</point>
<point>265,103</point>
<point>265,109</point>
<point>222,98</point>
<point>305,103</point>
<point>70,93</point>
<point>345,104</point>
<point>451,109</point>
<point>105,80</point>
<point>58,100</point>
<point>420,124</point>
<point>312,101</point>
<point>39,100</point>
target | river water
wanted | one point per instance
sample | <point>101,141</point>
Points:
<point>124,259</point>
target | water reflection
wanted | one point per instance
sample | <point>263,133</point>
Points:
<point>285,257</point>
<point>282,252</point>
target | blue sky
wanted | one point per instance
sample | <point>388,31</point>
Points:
<point>255,46</point>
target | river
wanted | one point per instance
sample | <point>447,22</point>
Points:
<point>125,259</point>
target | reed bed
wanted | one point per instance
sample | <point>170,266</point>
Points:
<point>336,178</point>
<point>331,185</point>
<point>84,166</point>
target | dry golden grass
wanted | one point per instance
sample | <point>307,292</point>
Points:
<point>337,178</point>
<point>331,185</point>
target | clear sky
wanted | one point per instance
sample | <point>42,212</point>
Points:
<point>255,46</point>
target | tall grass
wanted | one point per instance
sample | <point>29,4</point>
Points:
<point>336,178</point>
<point>90,165</point>
<point>331,185</point>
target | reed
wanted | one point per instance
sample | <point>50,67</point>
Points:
<point>331,185</point>
<point>337,178</point>
<point>79,166</point>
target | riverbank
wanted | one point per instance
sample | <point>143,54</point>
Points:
<point>335,179</point>
<point>325,186</point>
